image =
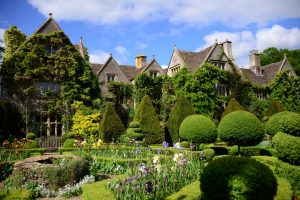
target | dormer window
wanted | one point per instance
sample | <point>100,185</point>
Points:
<point>175,70</point>
<point>111,77</point>
<point>218,63</point>
<point>153,74</point>
<point>222,89</point>
<point>43,87</point>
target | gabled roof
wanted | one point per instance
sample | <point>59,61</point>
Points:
<point>49,26</point>
<point>249,74</point>
<point>129,71</point>
<point>96,67</point>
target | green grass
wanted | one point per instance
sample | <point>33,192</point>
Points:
<point>189,192</point>
<point>97,190</point>
<point>6,194</point>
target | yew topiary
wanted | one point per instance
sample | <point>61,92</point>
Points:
<point>111,126</point>
<point>233,105</point>
<point>198,129</point>
<point>273,108</point>
<point>149,122</point>
<point>241,128</point>
<point>181,110</point>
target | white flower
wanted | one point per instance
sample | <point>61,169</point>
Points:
<point>176,156</point>
<point>158,168</point>
<point>155,159</point>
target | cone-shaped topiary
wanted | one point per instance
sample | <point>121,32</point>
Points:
<point>241,128</point>
<point>286,121</point>
<point>237,178</point>
<point>111,126</point>
<point>181,110</point>
<point>273,108</point>
<point>233,105</point>
<point>149,122</point>
<point>198,129</point>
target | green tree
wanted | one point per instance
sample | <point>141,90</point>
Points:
<point>181,110</point>
<point>111,126</point>
<point>122,92</point>
<point>233,105</point>
<point>13,40</point>
<point>273,108</point>
<point>149,123</point>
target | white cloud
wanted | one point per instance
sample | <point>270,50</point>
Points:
<point>98,56</point>
<point>244,41</point>
<point>191,12</point>
<point>141,46</point>
<point>121,54</point>
<point>2,31</point>
<point>164,66</point>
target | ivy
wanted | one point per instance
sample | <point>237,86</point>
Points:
<point>13,40</point>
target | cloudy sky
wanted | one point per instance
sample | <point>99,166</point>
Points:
<point>126,28</point>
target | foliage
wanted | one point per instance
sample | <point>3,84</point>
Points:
<point>30,136</point>
<point>253,151</point>
<point>121,91</point>
<point>111,126</point>
<point>273,108</point>
<point>257,106</point>
<point>69,143</point>
<point>233,105</point>
<point>6,169</point>
<point>288,147</point>
<point>185,144</point>
<point>181,110</point>
<point>285,89</point>
<point>31,144</point>
<point>237,178</point>
<point>149,122</point>
<point>200,88</point>
<point>98,189</point>
<point>189,192</point>
<point>209,154</point>
<point>168,98</point>
<point>285,121</point>
<point>13,40</point>
<point>198,129</point>
<point>85,120</point>
<point>241,128</point>
<point>12,194</point>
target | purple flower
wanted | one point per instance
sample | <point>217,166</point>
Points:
<point>158,151</point>
<point>148,187</point>
<point>137,152</point>
<point>149,149</point>
<point>165,144</point>
<point>143,169</point>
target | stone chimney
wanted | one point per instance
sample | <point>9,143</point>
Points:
<point>81,48</point>
<point>140,60</point>
<point>227,47</point>
<point>255,62</point>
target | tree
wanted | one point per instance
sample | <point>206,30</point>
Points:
<point>273,108</point>
<point>111,126</point>
<point>13,40</point>
<point>241,128</point>
<point>233,105</point>
<point>149,123</point>
<point>121,91</point>
<point>2,49</point>
<point>181,110</point>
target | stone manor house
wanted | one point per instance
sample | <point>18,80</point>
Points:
<point>219,54</point>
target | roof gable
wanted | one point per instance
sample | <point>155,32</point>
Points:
<point>49,26</point>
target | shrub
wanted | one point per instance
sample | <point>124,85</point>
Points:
<point>273,108</point>
<point>69,143</point>
<point>253,151</point>
<point>6,169</point>
<point>185,144</point>
<point>288,147</point>
<point>209,154</point>
<point>111,126</point>
<point>285,121</point>
<point>181,110</point>
<point>198,129</point>
<point>241,128</point>
<point>7,194</point>
<point>31,144</point>
<point>233,105</point>
<point>237,178</point>
<point>134,124</point>
<point>149,122</point>
<point>30,136</point>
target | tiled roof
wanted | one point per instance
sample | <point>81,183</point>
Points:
<point>49,26</point>
<point>96,68</point>
<point>129,71</point>
<point>249,74</point>
<point>165,70</point>
<point>194,59</point>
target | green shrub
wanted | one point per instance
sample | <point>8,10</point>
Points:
<point>149,122</point>
<point>233,105</point>
<point>188,192</point>
<point>31,144</point>
<point>209,154</point>
<point>284,189</point>
<point>6,169</point>
<point>7,194</point>
<point>219,150</point>
<point>185,144</point>
<point>285,121</point>
<point>202,146</point>
<point>111,126</point>
<point>241,128</point>
<point>181,110</point>
<point>30,136</point>
<point>134,124</point>
<point>253,151</point>
<point>69,143</point>
<point>273,108</point>
<point>288,147</point>
<point>289,172</point>
<point>237,178</point>
<point>198,129</point>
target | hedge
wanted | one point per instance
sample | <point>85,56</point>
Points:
<point>189,192</point>
<point>233,105</point>
<point>69,143</point>
<point>198,129</point>
<point>209,154</point>
<point>288,147</point>
<point>6,194</point>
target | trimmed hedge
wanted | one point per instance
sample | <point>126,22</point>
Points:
<point>233,105</point>
<point>198,129</point>
<point>111,126</point>
<point>288,147</point>
<point>253,151</point>
<point>209,154</point>
<point>69,143</point>
<point>149,122</point>
<point>185,144</point>
<point>31,144</point>
<point>188,192</point>
<point>181,110</point>
<point>237,178</point>
<point>273,108</point>
<point>241,128</point>
<point>30,136</point>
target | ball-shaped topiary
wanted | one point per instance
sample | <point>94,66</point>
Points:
<point>30,136</point>
<point>31,144</point>
<point>286,121</point>
<point>69,143</point>
<point>288,147</point>
<point>237,178</point>
<point>241,128</point>
<point>185,144</point>
<point>198,129</point>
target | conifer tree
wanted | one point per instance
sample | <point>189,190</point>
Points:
<point>273,108</point>
<point>233,105</point>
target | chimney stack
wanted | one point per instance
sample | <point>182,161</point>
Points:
<point>255,62</point>
<point>227,47</point>
<point>81,48</point>
<point>140,60</point>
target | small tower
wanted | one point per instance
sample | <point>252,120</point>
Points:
<point>140,60</point>
<point>81,48</point>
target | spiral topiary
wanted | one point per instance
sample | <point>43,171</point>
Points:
<point>237,178</point>
<point>198,129</point>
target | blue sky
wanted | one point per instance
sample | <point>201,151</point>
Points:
<point>126,28</point>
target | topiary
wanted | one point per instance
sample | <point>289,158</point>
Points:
<point>149,122</point>
<point>134,124</point>
<point>241,128</point>
<point>185,144</point>
<point>286,121</point>
<point>111,126</point>
<point>198,129</point>
<point>181,110</point>
<point>31,144</point>
<point>273,108</point>
<point>237,178</point>
<point>30,136</point>
<point>288,147</point>
<point>233,105</point>
<point>69,143</point>
<point>209,154</point>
